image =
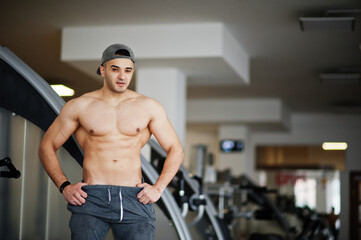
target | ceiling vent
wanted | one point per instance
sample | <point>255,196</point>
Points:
<point>331,20</point>
<point>340,78</point>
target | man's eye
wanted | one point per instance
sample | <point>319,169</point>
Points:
<point>128,70</point>
<point>114,69</point>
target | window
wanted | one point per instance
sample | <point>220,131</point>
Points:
<point>305,193</point>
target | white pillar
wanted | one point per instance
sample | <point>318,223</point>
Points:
<point>167,86</point>
<point>238,162</point>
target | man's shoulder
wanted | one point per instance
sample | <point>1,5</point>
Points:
<point>81,101</point>
<point>86,97</point>
<point>146,101</point>
<point>150,106</point>
<point>89,96</point>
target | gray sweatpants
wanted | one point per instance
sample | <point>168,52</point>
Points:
<point>115,207</point>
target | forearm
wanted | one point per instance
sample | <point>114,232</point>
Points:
<point>51,165</point>
<point>170,168</point>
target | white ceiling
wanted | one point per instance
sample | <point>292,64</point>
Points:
<point>285,62</point>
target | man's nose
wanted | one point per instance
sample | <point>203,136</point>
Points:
<point>121,75</point>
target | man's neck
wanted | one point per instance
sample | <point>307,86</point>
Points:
<point>113,98</point>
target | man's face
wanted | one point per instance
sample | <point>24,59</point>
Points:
<point>117,74</point>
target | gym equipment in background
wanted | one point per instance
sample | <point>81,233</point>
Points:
<point>197,207</point>
<point>12,172</point>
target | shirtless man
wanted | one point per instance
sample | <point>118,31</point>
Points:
<point>112,125</point>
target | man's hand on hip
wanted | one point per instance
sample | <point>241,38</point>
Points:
<point>74,195</point>
<point>149,194</point>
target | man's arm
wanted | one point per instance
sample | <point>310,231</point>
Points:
<point>164,132</point>
<point>57,134</point>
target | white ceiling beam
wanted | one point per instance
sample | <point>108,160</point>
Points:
<point>205,52</point>
<point>251,112</point>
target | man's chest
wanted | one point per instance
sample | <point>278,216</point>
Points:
<point>103,119</point>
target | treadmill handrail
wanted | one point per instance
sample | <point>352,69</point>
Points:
<point>37,82</point>
<point>34,79</point>
<point>155,145</point>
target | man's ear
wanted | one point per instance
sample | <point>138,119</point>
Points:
<point>102,71</point>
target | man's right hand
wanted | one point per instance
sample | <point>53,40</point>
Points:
<point>74,195</point>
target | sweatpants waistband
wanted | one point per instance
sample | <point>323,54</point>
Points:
<point>115,203</point>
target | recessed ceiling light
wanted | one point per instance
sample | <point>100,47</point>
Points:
<point>62,91</point>
<point>334,146</point>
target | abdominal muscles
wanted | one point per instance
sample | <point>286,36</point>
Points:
<point>112,160</point>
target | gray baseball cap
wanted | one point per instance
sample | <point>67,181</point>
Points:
<point>116,51</point>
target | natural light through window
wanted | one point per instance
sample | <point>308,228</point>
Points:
<point>305,192</point>
<point>333,194</point>
<point>319,190</point>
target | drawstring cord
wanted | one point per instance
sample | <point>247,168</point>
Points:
<point>120,200</point>
<point>121,205</point>
<point>109,197</point>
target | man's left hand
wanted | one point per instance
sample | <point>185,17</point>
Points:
<point>149,194</point>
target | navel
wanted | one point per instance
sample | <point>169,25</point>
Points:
<point>117,163</point>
